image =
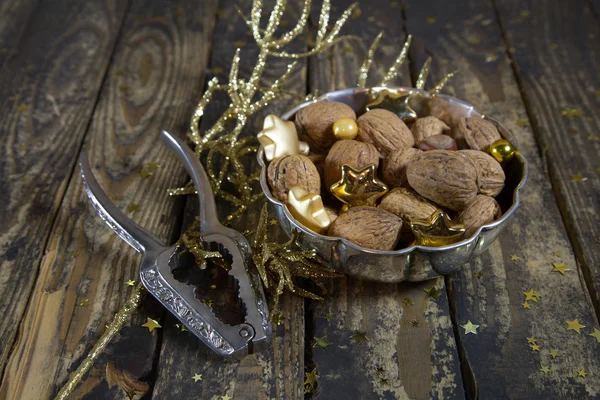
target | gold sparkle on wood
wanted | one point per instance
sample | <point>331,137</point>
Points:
<point>478,274</point>
<point>574,325</point>
<point>408,301</point>
<point>130,282</point>
<point>578,178</point>
<point>181,327</point>
<point>151,324</point>
<point>571,112</point>
<point>556,253</point>
<point>535,347</point>
<point>226,397</point>
<point>515,257</point>
<point>582,373</point>
<point>328,317</point>
<point>133,207</point>
<point>322,342</point>
<point>554,353</point>
<point>531,340</point>
<point>22,107</point>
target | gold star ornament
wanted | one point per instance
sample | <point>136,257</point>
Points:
<point>151,324</point>
<point>574,325</point>
<point>307,208</point>
<point>560,267</point>
<point>437,230</point>
<point>279,138</point>
<point>197,377</point>
<point>359,187</point>
<point>470,327</point>
<point>394,101</point>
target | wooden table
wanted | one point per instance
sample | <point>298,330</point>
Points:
<point>108,75</point>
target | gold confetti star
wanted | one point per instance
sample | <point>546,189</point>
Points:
<point>181,328</point>
<point>430,20</point>
<point>151,325</point>
<point>380,370</point>
<point>574,325</point>
<point>328,317</point>
<point>556,253</point>
<point>524,13</point>
<point>321,343</point>
<point>571,113</point>
<point>359,187</point>
<point>408,301</point>
<point>359,337</point>
<point>133,207</point>
<point>478,274</point>
<point>515,257</point>
<point>522,123</point>
<point>396,102</point>
<point>596,334</point>
<point>470,328</point>
<point>384,382</point>
<point>310,378</point>
<point>578,178</point>
<point>130,282</point>
<point>560,267</point>
<point>554,353</point>
<point>226,397</point>
<point>545,369</point>
<point>22,107</point>
<point>531,340</point>
<point>197,377</point>
<point>277,319</point>
<point>582,373</point>
<point>414,323</point>
<point>84,302</point>
<point>526,305</point>
<point>535,347</point>
<point>433,293</point>
<point>531,295</point>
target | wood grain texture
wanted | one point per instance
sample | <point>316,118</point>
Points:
<point>468,38</point>
<point>558,71</point>
<point>411,351</point>
<point>14,20</point>
<point>49,91</point>
<point>153,81</point>
<point>276,371</point>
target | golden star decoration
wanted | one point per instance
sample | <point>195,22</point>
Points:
<point>437,230</point>
<point>226,397</point>
<point>433,293</point>
<point>328,317</point>
<point>545,369</point>
<point>130,282</point>
<point>181,328</point>
<point>582,373</point>
<point>574,325</point>
<point>531,340</point>
<point>531,295</point>
<point>322,342</point>
<point>470,328</point>
<point>408,301</point>
<point>197,377</point>
<point>307,208</point>
<point>133,207</point>
<point>396,102</point>
<point>554,353</point>
<point>535,347</point>
<point>478,274</point>
<point>560,267</point>
<point>359,337</point>
<point>279,138</point>
<point>596,334</point>
<point>359,187</point>
<point>578,178</point>
<point>526,305</point>
<point>515,258</point>
<point>151,324</point>
<point>310,378</point>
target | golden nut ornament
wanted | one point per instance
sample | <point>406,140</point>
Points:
<point>307,208</point>
<point>345,129</point>
<point>396,102</point>
<point>437,230</point>
<point>502,150</point>
<point>359,187</point>
<point>279,138</point>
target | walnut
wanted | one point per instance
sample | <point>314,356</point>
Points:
<point>331,213</point>
<point>428,126</point>
<point>356,154</point>
<point>437,142</point>
<point>478,132</point>
<point>286,172</point>
<point>368,227</point>
<point>384,130</point>
<point>482,210</point>
<point>315,123</point>
<point>490,175</point>
<point>444,177</point>
<point>394,166</point>
<point>407,204</point>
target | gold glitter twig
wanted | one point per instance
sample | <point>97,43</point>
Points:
<point>366,65</point>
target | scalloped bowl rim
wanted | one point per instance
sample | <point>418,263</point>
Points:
<point>511,210</point>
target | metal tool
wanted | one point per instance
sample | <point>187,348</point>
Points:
<point>156,273</point>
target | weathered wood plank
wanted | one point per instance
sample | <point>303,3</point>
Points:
<point>155,77</point>
<point>468,38</point>
<point>411,351</point>
<point>558,72</point>
<point>278,370</point>
<point>14,18</point>
<point>49,91</point>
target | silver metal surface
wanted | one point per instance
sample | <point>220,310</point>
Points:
<point>156,273</point>
<point>414,263</point>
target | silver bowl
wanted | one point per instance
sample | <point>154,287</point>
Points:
<point>414,263</point>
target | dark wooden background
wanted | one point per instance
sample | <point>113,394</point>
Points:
<point>108,75</point>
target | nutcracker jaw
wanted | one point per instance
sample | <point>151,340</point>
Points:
<point>156,271</point>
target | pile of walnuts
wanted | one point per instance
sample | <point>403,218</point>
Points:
<point>427,166</point>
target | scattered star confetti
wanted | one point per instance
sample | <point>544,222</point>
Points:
<point>478,274</point>
<point>226,397</point>
<point>470,328</point>
<point>578,178</point>
<point>433,293</point>
<point>535,347</point>
<point>526,305</point>
<point>380,370</point>
<point>473,39</point>
<point>491,57</point>
<point>524,13</point>
<point>414,323</point>
<point>545,369</point>
<point>133,207</point>
<point>596,334</point>
<point>277,319</point>
<point>556,253</point>
<point>22,107</point>
<point>430,20</point>
<point>531,295</point>
<point>85,302</point>
<point>321,343</point>
<point>197,377</point>
<point>359,337</point>
<point>181,328</point>
<point>531,340</point>
<point>151,325</point>
<point>571,112</point>
<point>328,317</point>
<point>515,257</point>
<point>408,301</point>
<point>554,353</point>
<point>574,325</point>
<point>522,123</point>
<point>208,302</point>
<point>384,382</point>
<point>130,282</point>
<point>594,138</point>
<point>560,267</point>
<point>582,373</point>
<point>149,169</point>
<point>310,378</point>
